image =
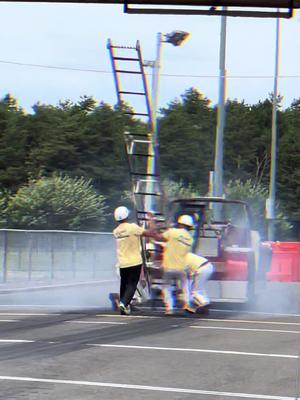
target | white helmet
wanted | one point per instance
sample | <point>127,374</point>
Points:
<point>121,213</point>
<point>185,220</point>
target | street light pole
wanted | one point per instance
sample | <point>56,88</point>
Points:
<point>155,85</point>
<point>270,204</point>
<point>176,38</point>
<point>218,167</point>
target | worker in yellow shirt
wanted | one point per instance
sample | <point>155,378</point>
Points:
<point>178,242</point>
<point>129,256</point>
<point>199,271</point>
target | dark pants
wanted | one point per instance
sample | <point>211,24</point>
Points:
<point>129,279</point>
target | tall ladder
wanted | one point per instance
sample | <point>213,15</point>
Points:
<point>140,147</point>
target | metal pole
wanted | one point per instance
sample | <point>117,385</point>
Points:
<point>5,256</point>
<point>152,166</point>
<point>218,179</point>
<point>272,185</point>
<point>155,85</point>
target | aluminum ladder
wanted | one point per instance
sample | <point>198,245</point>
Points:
<point>140,147</point>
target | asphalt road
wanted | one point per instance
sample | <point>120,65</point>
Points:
<point>50,353</point>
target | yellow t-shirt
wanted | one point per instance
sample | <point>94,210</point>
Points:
<point>128,244</point>
<point>179,243</point>
<point>193,262</point>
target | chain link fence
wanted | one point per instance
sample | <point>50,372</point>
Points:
<point>56,255</point>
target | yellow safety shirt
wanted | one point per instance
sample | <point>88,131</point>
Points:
<point>179,243</point>
<point>193,262</point>
<point>128,244</point>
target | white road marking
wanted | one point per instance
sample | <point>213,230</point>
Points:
<point>128,316</point>
<point>28,314</point>
<point>255,313</point>
<point>238,312</point>
<point>149,388</point>
<point>243,321</point>
<point>229,352</point>
<point>243,329</point>
<point>9,320</point>
<point>97,322</point>
<point>48,306</point>
<point>199,319</point>
<point>16,341</point>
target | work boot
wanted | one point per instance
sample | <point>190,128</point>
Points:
<point>190,309</point>
<point>203,310</point>
<point>123,310</point>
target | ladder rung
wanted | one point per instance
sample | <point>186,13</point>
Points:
<point>142,141</point>
<point>139,174</point>
<point>152,212</point>
<point>125,71</point>
<point>137,93</point>
<point>137,134</point>
<point>126,58</point>
<point>133,113</point>
<point>147,181</point>
<point>123,47</point>
<point>148,194</point>
<point>141,155</point>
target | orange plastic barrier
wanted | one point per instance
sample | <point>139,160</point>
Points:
<point>285,265</point>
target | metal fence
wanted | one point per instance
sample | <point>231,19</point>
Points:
<point>48,255</point>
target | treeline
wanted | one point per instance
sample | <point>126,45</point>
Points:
<point>86,140</point>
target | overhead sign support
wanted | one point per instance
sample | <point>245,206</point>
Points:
<point>235,8</point>
<point>246,8</point>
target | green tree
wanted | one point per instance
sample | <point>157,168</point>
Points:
<point>57,202</point>
<point>13,144</point>
<point>288,163</point>
<point>187,132</point>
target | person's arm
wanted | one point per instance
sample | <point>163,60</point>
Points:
<point>152,230</point>
<point>159,237</point>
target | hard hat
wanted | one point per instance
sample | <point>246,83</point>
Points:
<point>121,213</point>
<point>185,220</point>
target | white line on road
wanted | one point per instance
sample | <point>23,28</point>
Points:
<point>199,319</point>
<point>16,341</point>
<point>9,320</point>
<point>243,321</point>
<point>237,353</point>
<point>243,329</point>
<point>28,314</point>
<point>149,388</point>
<point>98,322</point>
<point>129,316</point>
<point>256,313</point>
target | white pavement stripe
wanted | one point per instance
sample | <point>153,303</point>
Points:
<point>128,316</point>
<point>9,320</point>
<point>243,329</point>
<point>201,319</point>
<point>237,353</point>
<point>28,314</point>
<point>244,321</point>
<point>98,322</point>
<point>256,313</point>
<point>149,388</point>
<point>16,341</point>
